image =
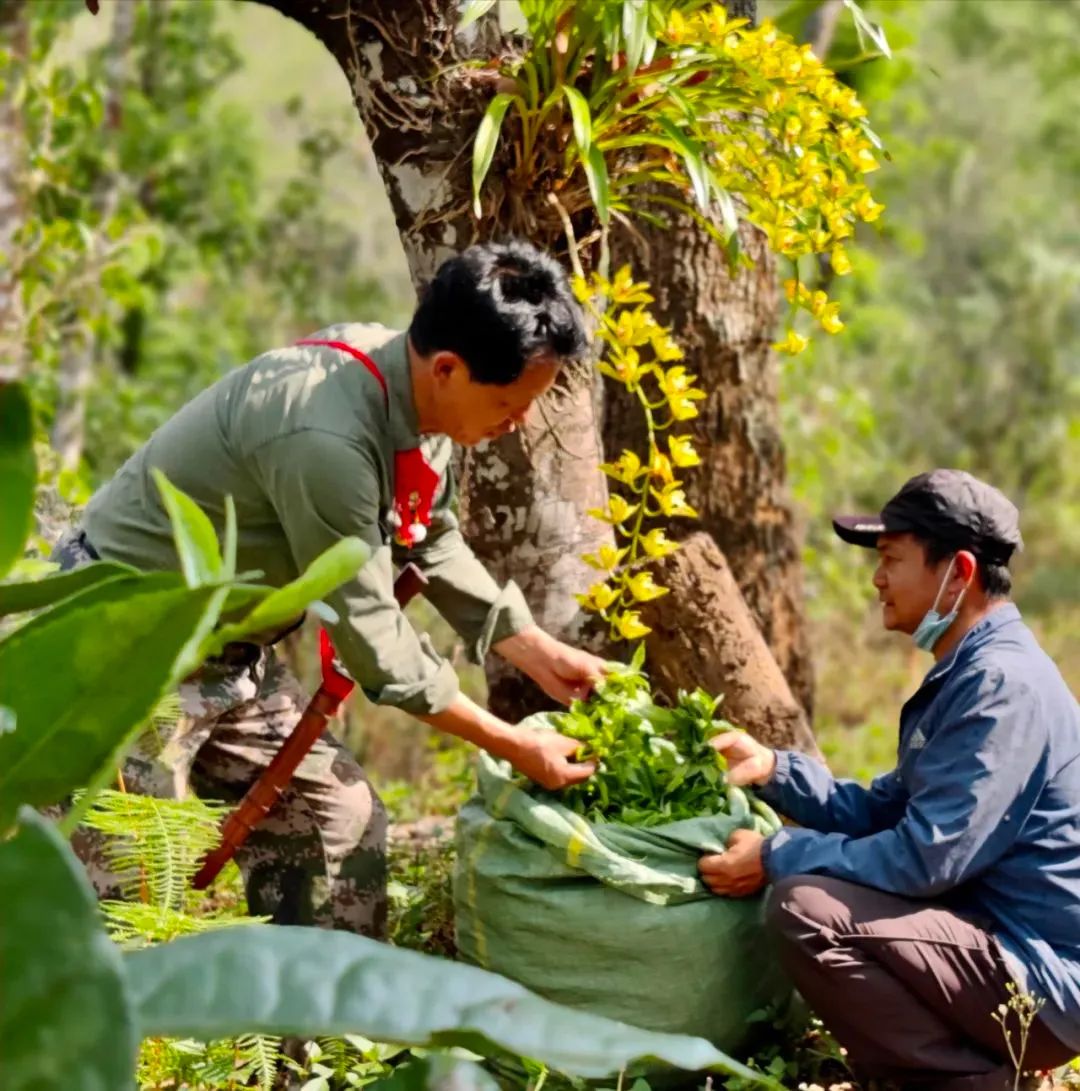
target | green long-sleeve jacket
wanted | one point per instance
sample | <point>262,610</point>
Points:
<point>304,439</point>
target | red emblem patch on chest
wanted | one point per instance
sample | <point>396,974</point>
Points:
<point>415,483</point>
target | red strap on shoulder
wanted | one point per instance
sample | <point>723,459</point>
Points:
<point>338,685</point>
<point>356,354</point>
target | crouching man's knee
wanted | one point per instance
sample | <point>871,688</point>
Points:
<point>801,903</point>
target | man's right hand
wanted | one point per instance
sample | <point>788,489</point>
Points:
<point>748,761</point>
<point>545,757</point>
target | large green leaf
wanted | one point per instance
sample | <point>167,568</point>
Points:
<point>65,1022</point>
<point>305,981</point>
<point>17,598</point>
<point>194,535</point>
<point>635,27</point>
<point>597,174</point>
<point>581,117</point>
<point>487,137</point>
<point>18,473</point>
<point>81,677</point>
<point>329,570</point>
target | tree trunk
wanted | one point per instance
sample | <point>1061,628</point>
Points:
<point>717,645</point>
<point>726,326</point>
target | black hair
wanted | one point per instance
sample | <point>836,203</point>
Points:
<point>499,306</point>
<point>996,579</point>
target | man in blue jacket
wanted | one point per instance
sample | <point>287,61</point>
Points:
<point>913,913</point>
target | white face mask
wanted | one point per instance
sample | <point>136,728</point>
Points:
<point>933,626</point>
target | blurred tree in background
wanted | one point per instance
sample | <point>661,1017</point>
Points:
<point>963,346</point>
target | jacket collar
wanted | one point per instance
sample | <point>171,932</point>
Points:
<point>978,635</point>
<point>392,359</point>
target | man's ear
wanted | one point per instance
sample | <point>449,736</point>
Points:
<point>444,365</point>
<point>966,566</point>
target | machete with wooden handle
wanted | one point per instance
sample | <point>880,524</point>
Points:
<point>274,779</point>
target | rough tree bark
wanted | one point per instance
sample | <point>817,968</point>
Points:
<point>726,326</point>
<point>526,496</point>
<point>705,635</point>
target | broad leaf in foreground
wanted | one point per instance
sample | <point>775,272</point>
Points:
<point>81,677</point>
<point>65,1023</point>
<point>306,981</point>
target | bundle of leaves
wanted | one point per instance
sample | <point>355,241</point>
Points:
<point>654,764</point>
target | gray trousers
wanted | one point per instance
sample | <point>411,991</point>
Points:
<point>907,987</point>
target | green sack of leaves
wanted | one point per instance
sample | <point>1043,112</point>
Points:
<point>609,916</point>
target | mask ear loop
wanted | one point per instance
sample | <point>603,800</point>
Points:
<point>941,590</point>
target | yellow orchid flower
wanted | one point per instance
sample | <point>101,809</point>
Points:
<point>673,502</point>
<point>664,348</point>
<point>830,319</point>
<point>643,588</point>
<point>633,327</point>
<point>624,290</point>
<point>617,511</point>
<point>630,626</point>
<point>793,344</point>
<point>599,597</point>
<point>657,544</point>
<point>867,208</point>
<point>683,452</point>
<point>660,466</point>
<point>606,559</point>
<point>625,470</point>
<point>682,405</point>
<point>841,263</point>
<point>624,366</point>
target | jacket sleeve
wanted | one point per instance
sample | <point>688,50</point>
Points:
<point>460,587</point>
<point>973,785</point>
<point>323,490</point>
<point>806,792</point>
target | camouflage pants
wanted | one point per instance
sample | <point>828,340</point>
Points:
<point>319,857</point>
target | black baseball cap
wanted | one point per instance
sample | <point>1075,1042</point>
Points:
<point>949,506</point>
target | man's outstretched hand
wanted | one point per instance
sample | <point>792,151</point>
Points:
<point>563,672</point>
<point>545,757</point>
<point>748,762</point>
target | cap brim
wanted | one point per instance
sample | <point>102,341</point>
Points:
<point>860,530</point>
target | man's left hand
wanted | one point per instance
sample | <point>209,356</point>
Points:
<point>562,672</point>
<point>737,872</point>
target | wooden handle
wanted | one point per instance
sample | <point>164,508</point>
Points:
<point>274,779</point>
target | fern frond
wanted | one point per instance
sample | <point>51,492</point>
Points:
<point>155,845</point>
<point>135,924</point>
<point>261,1053</point>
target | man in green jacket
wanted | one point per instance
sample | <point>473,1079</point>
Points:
<point>349,432</point>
